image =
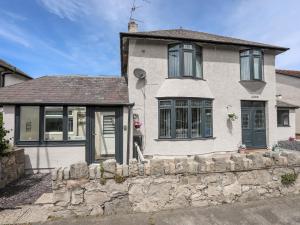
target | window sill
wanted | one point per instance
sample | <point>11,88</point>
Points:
<point>185,139</point>
<point>283,126</point>
<point>253,81</point>
<point>186,77</point>
<point>51,143</point>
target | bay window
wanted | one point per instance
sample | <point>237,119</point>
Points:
<point>251,64</point>
<point>185,118</point>
<point>57,124</point>
<point>185,60</point>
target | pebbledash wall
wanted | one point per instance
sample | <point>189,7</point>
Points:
<point>221,74</point>
<point>160,184</point>
<point>43,158</point>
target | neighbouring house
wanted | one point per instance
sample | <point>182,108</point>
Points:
<point>10,75</point>
<point>288,90</point>
<point>60,120</point>
<point>180,92</point>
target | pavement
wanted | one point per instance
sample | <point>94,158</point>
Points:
<point>283,210</point>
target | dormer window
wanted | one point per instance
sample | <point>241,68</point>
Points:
<point>251,64</point>
<point>185,60</point>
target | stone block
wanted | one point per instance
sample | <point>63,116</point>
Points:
<point>141,169</point>
<point>66,173</point>
<point>231,191</point>
<point>238,159</point>
<point>181,165</point>
<point>192,167</point>
<point>77,197</point>
<point>205,163</point>
<point>61,197</point>
<point>96,211</point>
<point>109,167</point>
<point>120,205</point>
<point>92,171</point>
<point>247,164</point>
<point>96,197</point>
<point>281,161</point>
<point>54,174</point>
<point>293,158</point>
<point>157,167</point>
<point>119,170</point>
<point>125,169</point>
<point>133,168</point>
<point>268,162</point>
<point>79,170</point>
<point>169,166</point>
<point>98,172</point>
<point>147,167</point>
<point>257,160</point>
<point>60,174</point>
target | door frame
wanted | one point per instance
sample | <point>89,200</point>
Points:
<point>250,110</point>
<point>90,150</point>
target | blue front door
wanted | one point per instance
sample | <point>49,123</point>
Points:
<point>253,124</point>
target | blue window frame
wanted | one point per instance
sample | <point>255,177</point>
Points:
<point>251,62</point>
<point>185,60</point>
<point>185,118</point>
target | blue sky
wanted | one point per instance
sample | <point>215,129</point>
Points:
<point>46,37</point>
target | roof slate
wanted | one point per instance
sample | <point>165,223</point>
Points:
<point>200,36</point>
<point>293,73</point>
<point>67,90</point>
<point>286,105</point>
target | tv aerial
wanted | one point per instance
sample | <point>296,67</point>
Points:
<point>134,7</point>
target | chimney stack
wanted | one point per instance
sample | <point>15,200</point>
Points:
<point>132,26</point>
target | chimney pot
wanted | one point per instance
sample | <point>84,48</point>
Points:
<point>132,26</point>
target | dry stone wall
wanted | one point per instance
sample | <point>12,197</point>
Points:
<point>159,184</point>
<point>12,167</point>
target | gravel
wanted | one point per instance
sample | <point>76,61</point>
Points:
<point>25,190</point>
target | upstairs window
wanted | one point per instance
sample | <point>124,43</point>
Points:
<point>185,60</point>
<point>251,64</point>
<point>283,119</point>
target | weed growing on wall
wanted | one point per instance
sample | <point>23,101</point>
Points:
<point>288,179</point>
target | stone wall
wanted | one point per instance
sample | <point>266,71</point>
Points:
<point>11,167</point>
<point>292,145</point>
<point>161,184</point>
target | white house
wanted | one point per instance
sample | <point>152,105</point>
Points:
<point>181,92</point>
<point>10,75</point>
<point>288,90</point>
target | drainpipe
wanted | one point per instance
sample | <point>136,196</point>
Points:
<point>2,76</point>
<point>129,132</point>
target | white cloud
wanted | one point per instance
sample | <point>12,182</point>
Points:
<point>269,21</point>
<point>70,9</point>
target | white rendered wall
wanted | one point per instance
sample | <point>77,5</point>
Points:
<point>221,71</point>
<point>43,156</point>
<point>11,79</point>
<point>289,88</point>
<point>284,133</point>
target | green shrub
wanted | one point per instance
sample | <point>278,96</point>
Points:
<point>288,179</point>
<point>4,143</point>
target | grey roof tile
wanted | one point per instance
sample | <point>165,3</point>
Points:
<point>67,90</point>
<point>200,36</point>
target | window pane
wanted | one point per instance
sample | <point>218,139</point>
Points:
<point>53,123</point>
<point>29,123</point>
<point>187,46</point>
<point>245,53</point>
<point>198,66</point>
<point>166,103</point>
<point>245,68</point>
<point>181,122</point>
<point>196,103</point>
<point>165,123</point>
<point>196,122</point>
<point>174,63</point>
<point>245,120</point>
<point>181,103</point>
<point>188,63</point>
<point>76,123</point>
<point>256,68</point>
<point>283,118</point>
<point>256,52</point>
<point>208,122</point>
<point>259,119</point>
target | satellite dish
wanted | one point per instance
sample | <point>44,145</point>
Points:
<point>139,73</point>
